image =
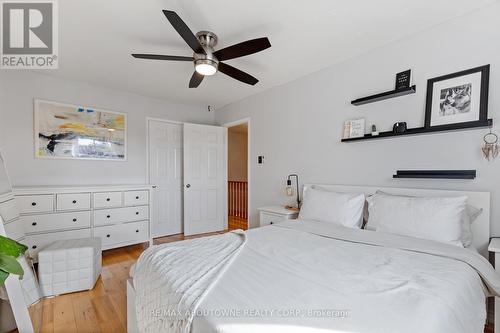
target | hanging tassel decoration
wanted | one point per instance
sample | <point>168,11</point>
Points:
<point>490,148</point>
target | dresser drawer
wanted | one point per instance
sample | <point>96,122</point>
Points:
<point>268,218</point>
<point>35,203</point>
<point>36,243</point>
<point>14,230</point>
<point>51,222</point>
<point>136,198</point>
<point>120,215</point>
<point>73,201</point>
<point>108,199</point>
<point>8,210</point>
<point>123,234</point>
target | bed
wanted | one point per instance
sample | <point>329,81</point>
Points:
<point>308,276</point>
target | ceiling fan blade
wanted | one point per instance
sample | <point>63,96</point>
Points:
<point>195,80</point>
<point>243,49</point>
<point>184,31</point>
<point>235,73</point>
<point>161,57</point>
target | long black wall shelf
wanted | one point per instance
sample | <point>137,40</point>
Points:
<point>384,95</point>
<point>423,130</point>
<point>436,174</point>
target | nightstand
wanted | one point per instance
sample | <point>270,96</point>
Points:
<point>275,214</point>
<point>495,248</point>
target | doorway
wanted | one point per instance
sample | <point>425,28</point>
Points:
<point>237,175</point>
<point>187,165</point>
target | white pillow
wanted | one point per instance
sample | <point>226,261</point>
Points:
<point>471,213</point>
<point>339,208</point>
<point>438,219</point>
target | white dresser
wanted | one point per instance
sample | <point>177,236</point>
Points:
<point>10,216</point>
<point>119,215</point>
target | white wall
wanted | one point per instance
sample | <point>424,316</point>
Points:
<point>298,126</point>
<point>237,147</point>
<point>17,90</point>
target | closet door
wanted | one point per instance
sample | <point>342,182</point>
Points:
<point>205,178</point>
<point>165,171</point>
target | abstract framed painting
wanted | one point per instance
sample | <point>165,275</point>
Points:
<point>458,100</point>
<point>64,131</point>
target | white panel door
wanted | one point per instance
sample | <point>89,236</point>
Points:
<point>165,171</point>
<point>205,179</point>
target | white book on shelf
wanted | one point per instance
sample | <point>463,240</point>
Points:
<point>347,129</point>
<point>357,128</point>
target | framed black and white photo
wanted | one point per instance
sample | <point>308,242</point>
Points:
<point>458,100</point>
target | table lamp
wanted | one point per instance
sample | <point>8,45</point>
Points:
<point>289,187</point>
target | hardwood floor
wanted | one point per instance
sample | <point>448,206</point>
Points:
<point>235,222</point>
<point>103,309</point>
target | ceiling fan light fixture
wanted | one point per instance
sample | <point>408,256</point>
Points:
<point>206,67</point>
<point>206,60</point>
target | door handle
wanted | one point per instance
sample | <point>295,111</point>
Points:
<point>188,185</point>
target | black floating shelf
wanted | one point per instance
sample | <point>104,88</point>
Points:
<point>385,95</point>
<point>423,130</point>
<point>436,174</point>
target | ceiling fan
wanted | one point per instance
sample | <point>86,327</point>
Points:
<point>206,60</point>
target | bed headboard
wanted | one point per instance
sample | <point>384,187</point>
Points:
<point>480,227</point>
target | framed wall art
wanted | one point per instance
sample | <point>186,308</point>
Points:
<point>458,100</point>
<point>77,132</point>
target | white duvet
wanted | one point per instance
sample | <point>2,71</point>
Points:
<point>305,276</point>
<point>171,279</point>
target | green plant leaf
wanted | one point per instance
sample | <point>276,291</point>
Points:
<point>11,247</point>
<point>3,277</point>
<point>10,265</point>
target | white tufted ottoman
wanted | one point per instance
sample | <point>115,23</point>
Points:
<point>67,266</point>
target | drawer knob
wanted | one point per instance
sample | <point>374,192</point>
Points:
<point>34,223</point>
<point>271,222</point>
<point>108,216</point>
<point>136,213</point>
<point>108,235</point>
<point>74,201</point>
<point>108,199</point>
<point>33,203</point>
<point>137,230</point>
<point>137,197</point>
<point>33,247</point>
<point>74,220</point>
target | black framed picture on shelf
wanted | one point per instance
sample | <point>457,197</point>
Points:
<point>458,100</point>
<point>403,80</point>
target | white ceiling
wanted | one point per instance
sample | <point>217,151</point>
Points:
<point>97,37</point>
